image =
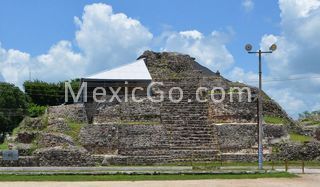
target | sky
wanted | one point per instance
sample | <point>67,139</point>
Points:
<point>57,40</point>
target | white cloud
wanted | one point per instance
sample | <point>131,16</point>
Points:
<point>109,39</point>
<point>239,74</point>
<point>285,97</point>
<point>106,39</point>
<point>193,34</point>
<point>61,61</point>
<point>291,9</point>
<point>13,63</point>
<point>209,50</point>
<point>248,5</point>
<point>296,61</point>
<point>58,64</point>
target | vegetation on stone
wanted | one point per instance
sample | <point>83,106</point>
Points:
<point>4,145</point>
<point>275,120</point>
<point>74,130</point>
<point>36,110</point>
<point>300,138</point>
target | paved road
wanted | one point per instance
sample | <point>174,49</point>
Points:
<point>307,180</point>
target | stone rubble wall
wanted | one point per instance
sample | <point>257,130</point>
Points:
<point>123,139</point>
<point>23,161</point>
<point>237,136</point>
<point>298,151</point>
<point>73,112</point>
<point>54,139</point>
<point>64,156</point>
<point>145,111</point>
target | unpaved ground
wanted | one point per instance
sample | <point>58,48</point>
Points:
<point>307,180</point>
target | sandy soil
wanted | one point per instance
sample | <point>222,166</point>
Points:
<point>307,180</point>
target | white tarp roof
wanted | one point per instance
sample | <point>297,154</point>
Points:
<point>136,70</point>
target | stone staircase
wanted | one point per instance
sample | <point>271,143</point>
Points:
<point>190,136</point>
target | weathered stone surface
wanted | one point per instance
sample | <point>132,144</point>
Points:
<point>54,139</point>
<point>298,151</point>
<point>127,139</point>
<point>32,123</point>
<point>73,112</point>
<point>24,161</point>
<point>175,66</point>
<point>26,136</point>
<point>63,156</point>
<point>239,136</point>
<point>135,160</point>
<point>142,139</point>
<point>24,149</point>
<point>57,125</point>
<point>127,111</point>
<point>100,138</point>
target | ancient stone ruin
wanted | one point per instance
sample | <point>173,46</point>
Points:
<point>87,134</point>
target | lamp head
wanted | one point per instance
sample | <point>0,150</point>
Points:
<point>273,47</point>
<point>248,47</point>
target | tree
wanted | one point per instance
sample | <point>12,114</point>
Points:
<point>48,94</point>
<point>13,105</point>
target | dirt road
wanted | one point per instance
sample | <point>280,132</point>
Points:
<point>307,180</point>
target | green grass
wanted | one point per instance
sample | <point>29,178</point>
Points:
<point>275,120</point>
<point>4,145</point>
<point>74,130</point>
<point>310,122</point>
<point>299,138</point>
<point>121,177</point>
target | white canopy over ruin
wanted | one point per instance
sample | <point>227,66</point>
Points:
<point>136,70</point>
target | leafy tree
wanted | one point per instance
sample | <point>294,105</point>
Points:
<point>13,105</point>
<point>48,94</point>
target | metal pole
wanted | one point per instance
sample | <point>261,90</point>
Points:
<point>260,147</point>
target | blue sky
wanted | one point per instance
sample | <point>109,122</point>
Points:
<point>49,37</point>
<point>33,26</point>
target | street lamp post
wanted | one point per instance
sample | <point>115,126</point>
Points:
<point>248,48</point>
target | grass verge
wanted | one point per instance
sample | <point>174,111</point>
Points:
<point>120,177</point>
<point>4,145</point>
<point>299,138</point>
<point>275,120</point>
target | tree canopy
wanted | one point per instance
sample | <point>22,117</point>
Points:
<point>13,105</point>
<point>48,94</point>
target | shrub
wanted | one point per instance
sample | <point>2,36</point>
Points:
<point>36,110</point>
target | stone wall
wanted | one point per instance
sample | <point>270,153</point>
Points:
<point>73,112</point>
<point>100,138</point>
<point>23,161</point>
<point>142,140</point>
<point>54,139</point>
<point>237,136</point>
<point>64,156</point>
<point>298,151</point>
<point>145,111</point>
<point>123,139</point>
